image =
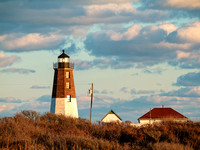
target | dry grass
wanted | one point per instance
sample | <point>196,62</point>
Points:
<point>29,130</point>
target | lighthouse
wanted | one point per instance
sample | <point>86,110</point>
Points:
<point>63,94</point>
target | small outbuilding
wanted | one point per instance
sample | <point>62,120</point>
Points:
<point>162,114</point>
<point>111,116</point>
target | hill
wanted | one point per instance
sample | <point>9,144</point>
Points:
<point>30,130</point>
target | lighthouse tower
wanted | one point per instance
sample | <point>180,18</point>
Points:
<point>63,94</point>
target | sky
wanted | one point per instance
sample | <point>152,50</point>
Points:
<point>139,54</point>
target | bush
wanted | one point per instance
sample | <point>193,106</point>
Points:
<point>30,130</point>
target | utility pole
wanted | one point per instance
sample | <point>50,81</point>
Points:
<point>91,93</point>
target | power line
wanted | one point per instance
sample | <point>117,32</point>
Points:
<point>121,107</point>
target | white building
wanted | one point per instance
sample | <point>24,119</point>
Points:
<point>111,116</point>
<point>161,114</point>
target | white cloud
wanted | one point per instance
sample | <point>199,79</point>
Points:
<point>188,4</point>
<point>131,33</point>
<point>190,32</point>
<point>2,107</point>
<point>167,27</point>
<point>5,107</point>
<point>181,54</point>
<point>98,10</point>
<point>32,41</point>
<point>7,60</point>
<point>136,43</point>
<point>79,31</point>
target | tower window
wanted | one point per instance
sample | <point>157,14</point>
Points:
<point>67,75</point>
<point>68,85</point>
<point>68,98</point>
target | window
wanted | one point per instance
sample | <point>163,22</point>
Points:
<point>67,74</point>
<point>68,98</point>
<point>67,85</point>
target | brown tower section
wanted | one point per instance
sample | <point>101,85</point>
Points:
<point>63,84</point>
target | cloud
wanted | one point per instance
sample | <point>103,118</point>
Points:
<point>32,41</point>
<point>189,33</point>
<point>8,60</point>
<point>188,106</point>
<point>131,33</point>
<point>189,79</point>
<point>17,70</point>
<point>40,107</point>
<point>124,90</point>
<point>44,98</point>
<point>173,4</point>
<point>78,31</point>
<point>110,8</point>
<point>184,92</point>
<point>146,48</point>
<point>153,71</point>
<point>187,59</point>
<point>150,45</point>
<point>181,54</point>
<point>105,91</point>
<point>83,101</point>
<point>167,27</point>
<point>39,87</point>
<point>10,100</point>
<point>101,63</point>
<point>4,108</point>
<point>191,4</point>
<point>103,1</point>
<point>11,107</point>
<point>145,92</point>
<point>60,18</point>
<point>136,92</point>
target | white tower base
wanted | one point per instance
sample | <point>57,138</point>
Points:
<point>64,107</point>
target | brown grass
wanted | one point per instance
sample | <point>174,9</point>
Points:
<point>30,130</point>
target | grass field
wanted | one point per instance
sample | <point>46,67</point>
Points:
<point>30,130</point>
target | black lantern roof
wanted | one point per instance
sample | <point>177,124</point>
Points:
<point>63,55</point>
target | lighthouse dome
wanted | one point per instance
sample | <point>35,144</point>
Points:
<point>63,55</point>
<point>63,58</point>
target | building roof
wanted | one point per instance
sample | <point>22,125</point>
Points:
<point>162,113</point>
<point>111,112</point>
<point>63,55</point>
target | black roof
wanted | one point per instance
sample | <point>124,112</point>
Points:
<point>63,55</point>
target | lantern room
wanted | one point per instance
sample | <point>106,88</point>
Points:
<point>63,61</point>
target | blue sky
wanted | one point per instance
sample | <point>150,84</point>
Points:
<point>139,54</point>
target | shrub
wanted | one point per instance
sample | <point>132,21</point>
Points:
<point>30,130</point>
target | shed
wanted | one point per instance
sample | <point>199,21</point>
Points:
<point>111,116</point>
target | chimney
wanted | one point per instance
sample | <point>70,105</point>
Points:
<point>162,106</point>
